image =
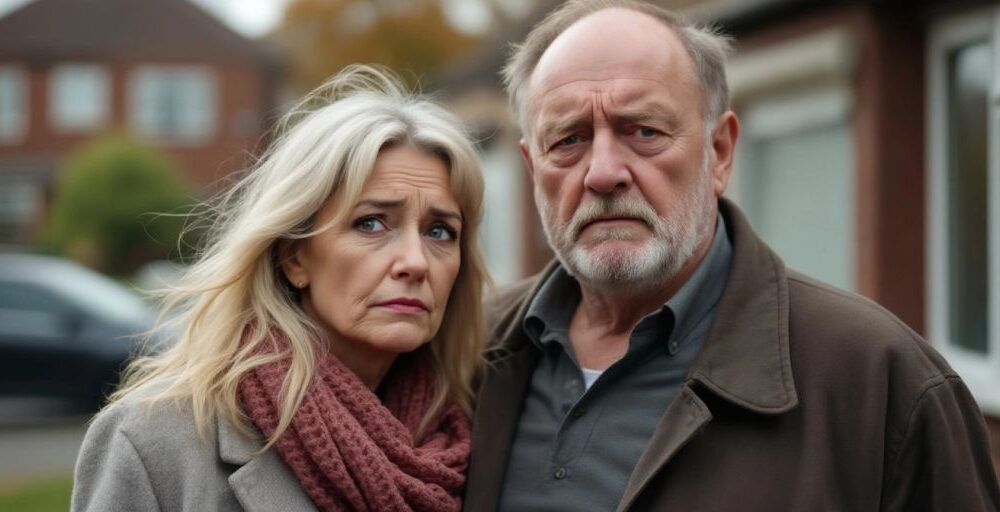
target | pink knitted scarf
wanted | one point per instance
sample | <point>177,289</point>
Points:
<point>351,451</point>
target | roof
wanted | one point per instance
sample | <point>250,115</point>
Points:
<point>105,29</point>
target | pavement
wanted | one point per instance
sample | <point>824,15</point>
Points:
<point>37,441</point>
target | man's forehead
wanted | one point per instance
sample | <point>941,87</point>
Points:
<point>579,96</point>
<point>607,43</point>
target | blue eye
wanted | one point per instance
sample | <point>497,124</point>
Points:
<point>568,141</point>
<point>646,133</point>
<point>370,224</point>
<point>442,232</point>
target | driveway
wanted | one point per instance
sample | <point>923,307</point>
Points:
<point>37,444</point>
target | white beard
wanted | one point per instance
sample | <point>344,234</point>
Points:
<point>675,238</point>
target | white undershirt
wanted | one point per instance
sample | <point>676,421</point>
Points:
<point>589,376</point>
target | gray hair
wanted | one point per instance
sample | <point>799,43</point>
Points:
<point>707,47</point>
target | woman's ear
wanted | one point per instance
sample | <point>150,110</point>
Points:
<point>290,260</point>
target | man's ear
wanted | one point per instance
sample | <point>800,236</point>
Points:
<point>290,260</point>
<point>727,130</point>
<point>526,155</point>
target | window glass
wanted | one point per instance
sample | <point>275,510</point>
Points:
<point>78,97</point>
<point>20,205</point>
<point>969,72</point>
<point>13,104</point>
<point>173,103</point>
<point>796,156</point>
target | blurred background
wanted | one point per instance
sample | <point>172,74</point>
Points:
<point>869,157</point>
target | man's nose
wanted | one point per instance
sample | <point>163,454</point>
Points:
<point>410,261</point>
<point>608,173</point>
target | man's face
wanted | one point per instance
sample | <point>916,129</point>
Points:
<point>622,165</point>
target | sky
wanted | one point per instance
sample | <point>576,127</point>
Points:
<point>254,18</point>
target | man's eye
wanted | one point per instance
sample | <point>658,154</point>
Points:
<point>645,132</point>
<point>442,232</point>
<point>370,224</point>
<point>569,141</point>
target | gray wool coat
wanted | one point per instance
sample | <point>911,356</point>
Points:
<point>138,458</point>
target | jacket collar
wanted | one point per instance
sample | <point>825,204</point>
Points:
<point>745,359</point>
<point>262,481</point>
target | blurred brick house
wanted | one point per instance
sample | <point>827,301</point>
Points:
<point>163,71</point>
<point>869,157</point>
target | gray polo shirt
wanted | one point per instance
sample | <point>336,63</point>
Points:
<point>575,449</point>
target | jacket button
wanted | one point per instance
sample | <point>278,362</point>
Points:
<point>560,473</point>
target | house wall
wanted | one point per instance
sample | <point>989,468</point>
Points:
<point>243,101</point>
<point>889,95</point>
<point>888,140</point>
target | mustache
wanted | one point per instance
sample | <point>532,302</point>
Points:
<point>608,207</point>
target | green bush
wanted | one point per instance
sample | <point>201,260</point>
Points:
<point>118,205</point>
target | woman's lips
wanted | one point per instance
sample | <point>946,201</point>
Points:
<point>404,305</point>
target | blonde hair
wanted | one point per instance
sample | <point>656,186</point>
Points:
<point>236,294</point>
<point>706,46</point>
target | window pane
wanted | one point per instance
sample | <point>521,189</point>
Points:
<point>13,103</point>
<point>78,96</point>
<point>799,195</point>
<point>20,205</point>
<point>969,71</point>
<point>174,103</point>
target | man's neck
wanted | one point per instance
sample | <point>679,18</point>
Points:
<point>604,319</point>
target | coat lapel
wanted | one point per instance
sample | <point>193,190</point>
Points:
<point>684,418</point>
<point>511,361</point>
<point>745,359</point>
<point>498,408</point>
<point>263,482</point>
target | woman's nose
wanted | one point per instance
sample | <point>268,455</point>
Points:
<point>410,260</point>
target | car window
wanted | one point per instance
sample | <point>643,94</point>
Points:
<point>28,311</point>
<point>26,297</point>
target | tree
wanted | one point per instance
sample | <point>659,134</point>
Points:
<point>117,206</point>
<point>412,37</point>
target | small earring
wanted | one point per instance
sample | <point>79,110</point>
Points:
<point>300,284</point>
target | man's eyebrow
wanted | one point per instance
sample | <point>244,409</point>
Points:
<point>562,125</point>
<point>648,113</point>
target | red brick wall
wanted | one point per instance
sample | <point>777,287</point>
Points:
<point>889,140</point>
<point>243,100</point>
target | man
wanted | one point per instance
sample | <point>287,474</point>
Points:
<point>668,360</point>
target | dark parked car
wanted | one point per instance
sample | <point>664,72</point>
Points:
<point>65,330</point>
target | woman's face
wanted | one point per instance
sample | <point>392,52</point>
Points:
<point>379,281</point>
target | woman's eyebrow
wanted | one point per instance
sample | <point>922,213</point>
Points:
<point>382,203</point>
<point>446,214</point>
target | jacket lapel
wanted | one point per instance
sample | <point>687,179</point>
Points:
<point>744,360</point>
<point>498,408</point>
<point>263,482</point>
<point>684,418</point>
<point>511,361</point>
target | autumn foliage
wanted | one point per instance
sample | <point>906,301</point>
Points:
<point>412,37</point>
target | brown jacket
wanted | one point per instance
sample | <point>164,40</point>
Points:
<point>804,398</point>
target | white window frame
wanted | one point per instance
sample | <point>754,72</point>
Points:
<point>141,73</point>
<point>57,80</point>
<point>980,372</point>
<point>799,84</point>
<point>20,76</point>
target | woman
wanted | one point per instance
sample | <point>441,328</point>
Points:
<point>328,335</point>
